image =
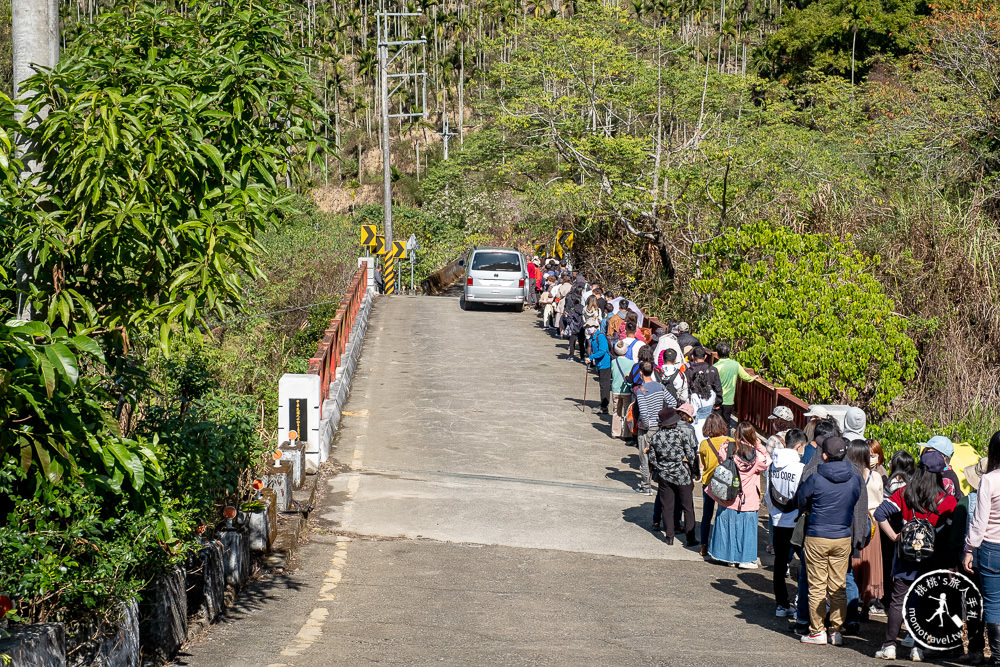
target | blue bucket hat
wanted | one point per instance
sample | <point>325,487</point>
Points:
<point>941,444</point>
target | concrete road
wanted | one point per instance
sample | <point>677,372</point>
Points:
<point>481,517</point>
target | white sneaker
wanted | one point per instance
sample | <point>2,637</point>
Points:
<point>781,612</point>
<point>836,639</point>
<point>916,655</point>
<point>887,652</point>
<point>748,566</point>
<point>908,641</point>
<point>818,638</point>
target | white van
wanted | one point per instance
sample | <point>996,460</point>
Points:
<point>496,276</point>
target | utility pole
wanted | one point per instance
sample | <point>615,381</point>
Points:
<point>384,61</point>
<point>445,132</point>
<point>34,43</point>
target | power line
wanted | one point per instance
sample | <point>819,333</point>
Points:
<point>244,318</point>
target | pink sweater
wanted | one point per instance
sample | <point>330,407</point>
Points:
<point>986,522</point>
<point>749,499</point>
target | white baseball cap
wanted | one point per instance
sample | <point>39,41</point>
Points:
<point>817,411</point>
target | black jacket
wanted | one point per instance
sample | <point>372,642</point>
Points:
<point>713,374</point>
<point>684,339</point>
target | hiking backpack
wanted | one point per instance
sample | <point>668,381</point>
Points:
<point>780,501</point>
<point>725,484</point>
<point>916,540</point>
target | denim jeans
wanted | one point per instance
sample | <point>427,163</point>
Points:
<point>989,570</point>
<point>853,597</point>
<point>802,608</point>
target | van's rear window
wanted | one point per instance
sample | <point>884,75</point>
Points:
<point>496,261</point>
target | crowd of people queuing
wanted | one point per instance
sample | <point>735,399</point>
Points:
<point>861,528</point>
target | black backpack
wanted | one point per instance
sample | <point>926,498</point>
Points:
<point>781,502</point>
<point>916,540</point>
<point>668,384</point>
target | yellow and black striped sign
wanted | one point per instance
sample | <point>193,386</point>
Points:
<point>540,250</point>
<point>389,274</point>
<point>368,235</point>
<point>564,238</point>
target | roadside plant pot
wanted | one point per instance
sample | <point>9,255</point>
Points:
<point>118,644</point>
<point>206,588</point>
<point>40,645</point>
<point>163,617</point>
<point>294,455</point>
<point>235,559</point>
<point>278,479</point>
<point>262,523</point>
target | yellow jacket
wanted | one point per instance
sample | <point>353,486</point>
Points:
<point>965,455</point>
<point>709,461</point>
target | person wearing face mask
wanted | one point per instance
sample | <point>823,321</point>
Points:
<point>867,563</point>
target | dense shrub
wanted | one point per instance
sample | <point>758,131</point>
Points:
<point>806,310</point>
<point>206,439</point>
<point>74,555</point>
<point>976,428</point>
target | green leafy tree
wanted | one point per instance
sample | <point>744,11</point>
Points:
<point>164,148</point>
<point>806,310</point>
<point>842,37</point>
<point>56,424</point>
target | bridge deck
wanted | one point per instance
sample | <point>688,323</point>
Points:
<point>482,517</point>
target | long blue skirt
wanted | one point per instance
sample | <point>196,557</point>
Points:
<point>734,537</point>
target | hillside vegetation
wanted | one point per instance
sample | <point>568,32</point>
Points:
<point>815,181</point>
<point>656,134</point>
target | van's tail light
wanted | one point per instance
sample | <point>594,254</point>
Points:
<point>520,283</point>
<point>469,282</point>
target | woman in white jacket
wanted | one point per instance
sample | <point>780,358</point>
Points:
<point>783,476</point>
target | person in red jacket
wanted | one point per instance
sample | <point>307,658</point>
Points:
<point>923,497</point>
<point>534,280</point>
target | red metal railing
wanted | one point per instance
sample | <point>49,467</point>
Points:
<point>327,358</point>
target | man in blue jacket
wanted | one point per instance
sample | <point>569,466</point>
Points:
<point>600,356</point>
<point>829,496</point>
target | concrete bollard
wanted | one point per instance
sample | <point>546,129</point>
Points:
<point>235,557</point>
<point>41,645</point>
<point>278,478</point>
<point>294,454</point>
<point>163,617</point>
<point>262,526</point>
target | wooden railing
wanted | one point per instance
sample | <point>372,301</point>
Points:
<point>756,400</point>
<point>324,363</point>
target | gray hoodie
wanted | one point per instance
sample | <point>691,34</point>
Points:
<point>854,424</point>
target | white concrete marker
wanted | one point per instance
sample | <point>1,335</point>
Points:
<point>298,407</point>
